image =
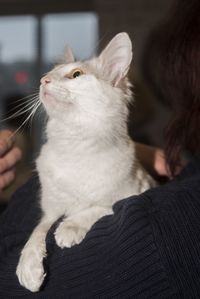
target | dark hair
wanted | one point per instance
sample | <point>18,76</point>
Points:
<point>172,67</point>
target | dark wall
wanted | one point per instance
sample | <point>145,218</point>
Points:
<point>44,6</point>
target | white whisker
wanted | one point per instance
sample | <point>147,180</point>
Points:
<point>30,101</point>
<point>22,111</point>
<point>37,105</point>
<point>26,97</point>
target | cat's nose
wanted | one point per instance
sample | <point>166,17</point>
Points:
<point>45,80</point>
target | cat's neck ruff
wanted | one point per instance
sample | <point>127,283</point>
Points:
<point>65,131</point>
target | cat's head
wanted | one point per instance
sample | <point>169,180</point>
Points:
<point>90,91</point>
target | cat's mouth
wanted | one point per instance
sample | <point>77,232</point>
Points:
<point>47,94</point>
<point>48,98</point>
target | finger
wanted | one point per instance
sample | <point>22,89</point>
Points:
<point>10,159</point>
<point>160,164</point>
<point>7,140</point>
<point>6,178</point>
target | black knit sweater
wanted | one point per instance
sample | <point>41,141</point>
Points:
<point>149,248</point>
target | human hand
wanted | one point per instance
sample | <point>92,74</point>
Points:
<point>9,156</point>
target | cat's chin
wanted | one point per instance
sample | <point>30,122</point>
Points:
<point>51,103</point>
<point>48,99</point>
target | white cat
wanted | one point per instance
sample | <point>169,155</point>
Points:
<point>88,162</point>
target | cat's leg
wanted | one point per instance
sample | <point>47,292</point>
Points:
<point>30,271</point>
<point>73,229</point>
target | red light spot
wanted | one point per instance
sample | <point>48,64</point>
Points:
<point>21,77</point>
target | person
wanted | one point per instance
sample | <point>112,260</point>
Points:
<point>150,246</point>
<point>10,154</point>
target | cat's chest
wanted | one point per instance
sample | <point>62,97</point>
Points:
<point>66,163</point>
<point>83,173</point>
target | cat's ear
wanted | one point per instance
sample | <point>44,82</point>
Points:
<point>68,55</point>
<point>116,58</point>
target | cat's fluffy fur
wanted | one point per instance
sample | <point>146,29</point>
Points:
<point>88,161</point>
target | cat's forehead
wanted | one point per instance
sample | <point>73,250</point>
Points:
<point>64,69</point>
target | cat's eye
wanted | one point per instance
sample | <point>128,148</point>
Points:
<point>76,73</point>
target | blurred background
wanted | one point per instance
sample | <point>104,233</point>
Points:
<point>33,35</point>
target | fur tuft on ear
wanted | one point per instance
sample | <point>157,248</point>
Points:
<point>116,58</point>
<point>68,55</point>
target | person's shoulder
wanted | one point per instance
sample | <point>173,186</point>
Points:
<point>173,212</point>
<point>169,206</point>
<point>184,188</point>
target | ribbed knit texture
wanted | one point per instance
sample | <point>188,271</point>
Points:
<point>149,247</point>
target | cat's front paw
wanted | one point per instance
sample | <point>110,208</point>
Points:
<point>30,271</point>
<point>69,233</point>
